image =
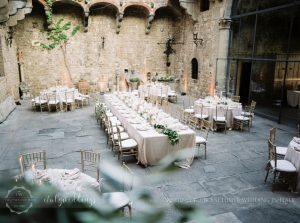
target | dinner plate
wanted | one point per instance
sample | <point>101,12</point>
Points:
<point>142,128</point>
<point>183,127</point>
<point>134,121</point>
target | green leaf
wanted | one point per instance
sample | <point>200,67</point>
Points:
<point>75,30</point>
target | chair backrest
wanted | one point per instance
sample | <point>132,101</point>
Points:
<point>165,90</point>
<point>235,98</point>
<point>165,105</point>
<point>193,122</point>
<point>128,179</point>
<point>52,97</point>
<point>272,152</point>
<point>252,106</point>
<point>119,138</point>
<point>221,111</point>
<point>70,95</point>
<point>179,113</point>
<point>272,136</point>
<point>205,128</point>
<point>90,161</point>
<point>37,158</point>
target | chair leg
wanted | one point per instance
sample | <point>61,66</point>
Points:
<point>267,175</point>
<point>274,180</point>
<point>130,212</point>
<point>205,151</point>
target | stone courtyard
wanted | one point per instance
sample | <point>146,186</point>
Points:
<point>228,186</point>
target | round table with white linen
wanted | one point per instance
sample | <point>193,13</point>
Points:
<point>209,108</point>
<point>293,155</point>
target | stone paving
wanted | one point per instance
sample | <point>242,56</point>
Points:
<point>228,186</point>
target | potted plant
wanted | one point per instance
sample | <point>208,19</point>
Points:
<point>134,82</point>
<point>166,78</point>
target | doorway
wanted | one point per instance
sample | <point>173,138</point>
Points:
<point>245,82</point>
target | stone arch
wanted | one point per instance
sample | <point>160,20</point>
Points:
<point>169,9</point>
<point>77,4</point>
<point>81,5</point>
<point>140,5</point>
<point>112,4</point>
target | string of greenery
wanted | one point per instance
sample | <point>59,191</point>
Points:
<point>172,135</point>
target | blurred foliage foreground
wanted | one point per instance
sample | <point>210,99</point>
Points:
<point>26,202</point>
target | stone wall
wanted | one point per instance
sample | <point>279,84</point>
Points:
<point>99,61</point>
<point>207,27</point>
<point>91,58</point>
<point>9,83</point>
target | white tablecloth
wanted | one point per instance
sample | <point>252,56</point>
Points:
<point>152,146</point>
<point>155,90</point>
<point>67,181</point>
<point>234,109</point>
<point>60,92</point>
<point>293,98</point>
<point>294,157</point>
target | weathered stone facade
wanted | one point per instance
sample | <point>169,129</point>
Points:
<point>100,61</point>
<point>115,37</point>
<point>9,80</point>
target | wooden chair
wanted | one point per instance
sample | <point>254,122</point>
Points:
<point>202,138</point>
<point>220,119</point>
<point>90,162</point>
<point>53,102</point>
<point>200,115</point>
<point>280,150</point>
<point>128,147</point>
<point>179,114</point>
<point>187,118</point>
<point>120,200</point>
<point>69,101</point>
<point>249,111</point>
<point>26,161</point>
<point>40,103</point>
<point>114,137</point>
<point>235,98</point>
<point>239,122</point>
<point>280,166</point>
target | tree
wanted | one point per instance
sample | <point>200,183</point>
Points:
<point>58,35</point>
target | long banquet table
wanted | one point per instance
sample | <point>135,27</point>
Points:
<point>152,145</point>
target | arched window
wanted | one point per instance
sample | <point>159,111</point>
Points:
<point>194,69</point>
<point>204,5</point>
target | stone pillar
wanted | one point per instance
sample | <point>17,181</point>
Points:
<point>222,63</point>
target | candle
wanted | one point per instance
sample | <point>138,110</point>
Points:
<point>21,164</point>
<point>33,167</point>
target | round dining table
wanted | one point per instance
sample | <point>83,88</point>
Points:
<point>293,155</point>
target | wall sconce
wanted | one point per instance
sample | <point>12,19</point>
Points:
<point>103,41</point>
<point>197,41</point>
<point>9,37</point>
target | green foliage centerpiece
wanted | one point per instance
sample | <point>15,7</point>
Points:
<point>172,135</point>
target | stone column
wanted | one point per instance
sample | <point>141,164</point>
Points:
<point>222,63</point>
